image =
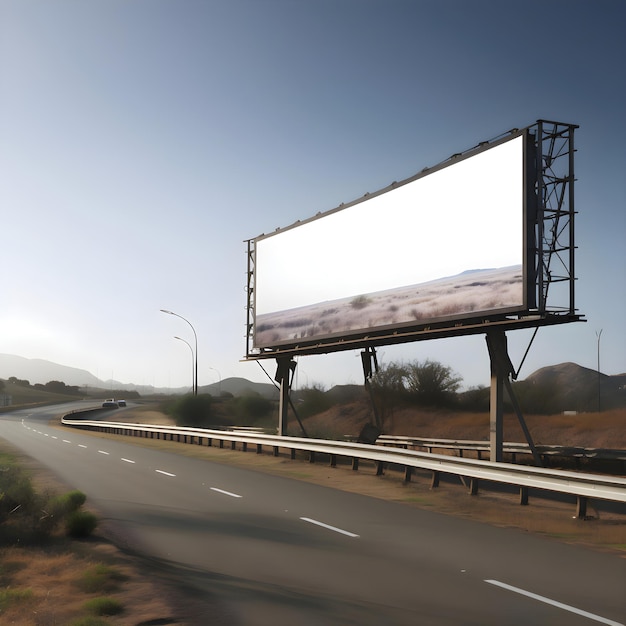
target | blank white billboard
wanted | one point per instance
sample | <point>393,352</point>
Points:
<point>447,244</point>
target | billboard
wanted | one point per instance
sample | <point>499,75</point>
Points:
<point>447,244</point>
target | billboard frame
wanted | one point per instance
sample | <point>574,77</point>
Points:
<point>549,246</point>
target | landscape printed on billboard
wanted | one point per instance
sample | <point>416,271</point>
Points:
<point>446,245</point>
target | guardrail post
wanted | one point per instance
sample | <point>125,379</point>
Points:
<point>312,457</point>
<point>221,443</point>
<point>581,507</point>
<point>355,463</point>
<point>233,445</point>
<point>293,454</point>
<point>408,472</point>
<point>434,483</point>
<point>473,487</point>
<point>275,450</point>
<point>523,495</point>
<point>259,448</point>
<point>333,460</point>
<point>244,446</point>
<point>380,468</point>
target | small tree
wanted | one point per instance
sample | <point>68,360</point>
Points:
<point>388,388</point>
<point>430,382</point>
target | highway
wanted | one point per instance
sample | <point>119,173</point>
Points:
<point>262,549</point>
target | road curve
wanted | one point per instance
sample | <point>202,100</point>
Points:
<point>270,550</point>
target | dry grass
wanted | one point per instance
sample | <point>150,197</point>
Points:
<point>52,575</point>
<point>44,584</point>
<point>589,430</point>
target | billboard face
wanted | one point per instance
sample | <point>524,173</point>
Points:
<point>445,245</point>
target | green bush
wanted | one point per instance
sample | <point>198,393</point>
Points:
<point>101,579</point>
<point>80,524</point>
<point>11,597</point>
<point>17,495</point>
<point>312,400</point>
<point>250,408</point>
<point>60,506</point>
<point>56,509</point>
<point>192,410</point>
<point>104,606</point>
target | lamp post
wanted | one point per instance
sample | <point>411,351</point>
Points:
<point>219,388</point>
<point>195,378</point>
<point>193,384</point>
<point>598,335</point>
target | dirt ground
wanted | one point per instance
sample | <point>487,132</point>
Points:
<point>149,597</point>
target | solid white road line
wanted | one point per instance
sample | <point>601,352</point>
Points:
<point>558,605</point>
<point>335,529</point>
<point>226,493</point>
<point>164,472</point>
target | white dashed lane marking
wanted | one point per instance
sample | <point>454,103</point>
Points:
<point>328,527</point>
<point>164,472</point>
<point>558,605</point>
<point>226,493</point>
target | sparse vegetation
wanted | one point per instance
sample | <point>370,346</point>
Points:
<point>312,400</point>
<point>250,409</point>
<point>12,597</point>
<point>79,524</point>
<point>27,516</point>
<point>360,302</point>
<point>101,578</point>
<point>45,580</point>
<point>104,606</point>
<point>190,410</point>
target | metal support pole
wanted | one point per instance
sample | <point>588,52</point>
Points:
<point>495,418</point>
<point>284,375</point>
<point>496,397</point>
<point>501,371</point>
<point>370,367</point>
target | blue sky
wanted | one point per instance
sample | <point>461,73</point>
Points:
<point>143,141</point>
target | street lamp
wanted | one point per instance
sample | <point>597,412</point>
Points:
<point>219,388</point>
<point>195,378</point>
<point>192,368</point>
<point>598,335</point>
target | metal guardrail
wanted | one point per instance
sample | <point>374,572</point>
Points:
<point>478,446</point>
<point>583,486</point>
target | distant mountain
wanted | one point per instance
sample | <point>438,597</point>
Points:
<point>567,385</point>
<point>580,388</point>
<point>40,371</point>
<point>240,387</point>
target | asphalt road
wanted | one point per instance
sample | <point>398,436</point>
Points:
<point>260,549</point>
